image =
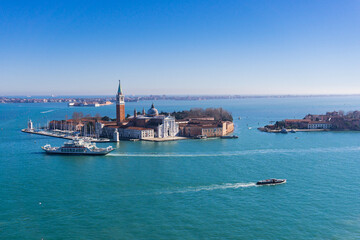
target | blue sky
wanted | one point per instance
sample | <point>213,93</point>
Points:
<point>179,47</point>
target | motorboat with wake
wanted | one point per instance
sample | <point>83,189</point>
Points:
<point>272,181</point>
<point>77,147</point>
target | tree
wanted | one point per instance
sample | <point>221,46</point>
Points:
<point>77,116</point>
<point>219,114</point>
<point>105,118</point>
<point>280,124</point>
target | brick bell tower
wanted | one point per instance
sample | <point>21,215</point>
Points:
<point>120,106</point>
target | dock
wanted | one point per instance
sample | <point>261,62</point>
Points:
<point>60,134</point>
<point>164,139</point>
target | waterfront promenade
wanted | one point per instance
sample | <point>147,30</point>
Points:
<point>68,135</point>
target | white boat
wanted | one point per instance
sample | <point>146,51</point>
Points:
<point>77,147</point>
<point>201,137</point>
<point>283,130</point>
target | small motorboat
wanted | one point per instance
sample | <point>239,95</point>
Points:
<point>293,131</point>
<point>272,181</point>
<point>201,137</point>
<point>229,136</point>
<point>283,130</point>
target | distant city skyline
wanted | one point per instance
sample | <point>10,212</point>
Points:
<point>179,47</point>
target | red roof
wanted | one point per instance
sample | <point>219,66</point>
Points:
<point>110,126</point>
<point>319,122</point>
<point>138,128</point>
<point>296,120</point>
<point>109,123</point>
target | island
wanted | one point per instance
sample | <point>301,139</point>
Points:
<point>331,121</point>
<point>147,125</point>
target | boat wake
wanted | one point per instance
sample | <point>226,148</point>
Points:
<point>184,190</point>
<point>211,188</point>
<point>240,153</point>
<point>48,111</point>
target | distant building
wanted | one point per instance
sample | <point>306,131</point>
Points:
<point>312,121</point>
<point>163,126</point>
<point>319,125</point>
<point>136,132</point>
<point>331,120</point>
<point>30,125</point>
<point>296,123</point>
<point>150,125</point>
<point>208,128</point>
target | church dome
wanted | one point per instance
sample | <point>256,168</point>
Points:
<point>153,111</point>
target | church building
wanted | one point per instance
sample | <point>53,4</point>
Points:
<point>164,126</point>
<point>143,126</point>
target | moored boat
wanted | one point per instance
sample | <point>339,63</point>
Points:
<point>283,130</point>
<point>272,181</point>
<point>77,147</point>
<point>201,137</point>
<point>230,136</point>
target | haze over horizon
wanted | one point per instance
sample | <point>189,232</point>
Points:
<point>179,47</point>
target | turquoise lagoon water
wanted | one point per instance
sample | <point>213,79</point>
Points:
<point>190,189</point>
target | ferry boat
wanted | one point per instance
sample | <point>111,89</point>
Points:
<point>77,147</point>
<point>272,181</point>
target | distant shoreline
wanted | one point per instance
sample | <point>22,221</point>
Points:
<point>137,98</point>
<point>262,129</point>
<point>307,130</point>
<point>180,95</point>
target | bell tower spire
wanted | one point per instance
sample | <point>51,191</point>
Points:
<point>120,105</point>
<point>119,89</point>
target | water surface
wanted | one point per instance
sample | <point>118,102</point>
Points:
<point>189,189</point>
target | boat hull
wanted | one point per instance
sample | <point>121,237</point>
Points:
<point>229,137</point>
<point>271,183</point>
<point>77,153</point>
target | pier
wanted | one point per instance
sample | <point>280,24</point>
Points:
<point>63,134</point>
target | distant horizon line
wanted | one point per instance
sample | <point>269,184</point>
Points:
<point>184,95</point>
